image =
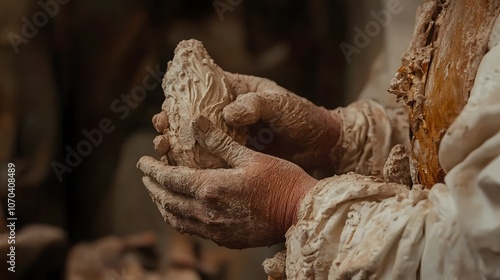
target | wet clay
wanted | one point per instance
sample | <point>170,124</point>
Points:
<point>193,85</point>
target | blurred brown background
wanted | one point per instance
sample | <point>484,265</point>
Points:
<point>67,66</point>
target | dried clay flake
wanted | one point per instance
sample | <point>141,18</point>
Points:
<point>194,85</point>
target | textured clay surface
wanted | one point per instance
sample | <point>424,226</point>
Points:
<point>193,85</point>
<point>397,166</point>
<point>275,267</point>
<point>437,74</point>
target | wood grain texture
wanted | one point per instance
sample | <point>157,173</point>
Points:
<point>437,74</point>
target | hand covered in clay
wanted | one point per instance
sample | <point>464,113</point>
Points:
<point>281,123</point>
<point>250,204</point>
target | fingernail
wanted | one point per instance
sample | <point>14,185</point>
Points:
<point>202,124</point>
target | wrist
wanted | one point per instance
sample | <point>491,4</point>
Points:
<point>332,149</point>
<point>290,185</point>
<point>295,199</point>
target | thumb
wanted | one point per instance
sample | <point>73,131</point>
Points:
<point>219,143</point>
<point>245,110</point>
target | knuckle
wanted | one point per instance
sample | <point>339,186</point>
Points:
<point>211,218</point>
<point>218,143</point>
<point>213,144</point>
<point>208,193</point>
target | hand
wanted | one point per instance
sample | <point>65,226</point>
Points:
<point>251,204</point>
<point>293,128</point>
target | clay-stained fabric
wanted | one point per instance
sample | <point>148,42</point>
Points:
<point>359,227</point>
<point>364,124</point>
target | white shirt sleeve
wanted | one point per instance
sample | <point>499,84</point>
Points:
<point>359,227</point>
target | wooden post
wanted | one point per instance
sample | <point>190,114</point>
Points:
<point>437,74</point>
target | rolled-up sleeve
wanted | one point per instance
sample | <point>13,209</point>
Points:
<point>365,139</point>
<point>358,226</point>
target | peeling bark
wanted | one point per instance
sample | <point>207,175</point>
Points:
<point>437,74</point>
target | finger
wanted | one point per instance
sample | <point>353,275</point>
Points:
<point>191,226</point>
<point>197,183</point>
<point>160,121</point>
<point>181,205</point>
<point>220,144</point>
<point>273,107</point>
<point>167,200</point>
<point>187,225</point>
<point>178,179</point>
<point>181,224</point>
<point>161,144</point>
<point>244,110</point>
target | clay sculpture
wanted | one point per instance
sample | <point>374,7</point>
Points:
<point>193,85</point>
